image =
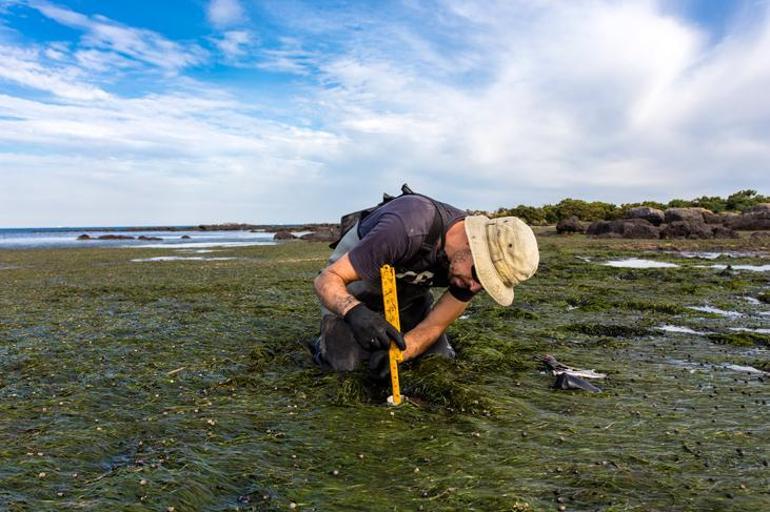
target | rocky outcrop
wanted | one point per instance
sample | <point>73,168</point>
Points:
<point>84,237</point>
<point>150,238</point>
<point>570,225</point>
<point>284,235</point>
<point>685,215</point>
<point>185,237</point>
<point>754,220</point>
<point>651,215</point>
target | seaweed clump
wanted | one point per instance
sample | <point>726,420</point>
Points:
<point>436,380</point>
<point>612,330</point>
<point>741,339</point>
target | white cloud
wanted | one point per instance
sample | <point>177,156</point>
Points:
<point>482,104</point>
<point>23,67</point>
<point>140,44</point>
<point>225,13</point>
<point>235,44</point>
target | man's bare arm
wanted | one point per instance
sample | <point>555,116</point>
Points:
<point>331,286</point>
<point>425,334</point>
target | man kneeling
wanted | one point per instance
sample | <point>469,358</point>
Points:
<point>430,244</point>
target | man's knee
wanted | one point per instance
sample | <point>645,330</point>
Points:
<point>337,348</point>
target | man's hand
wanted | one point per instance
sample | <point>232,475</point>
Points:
<point>371,330</point>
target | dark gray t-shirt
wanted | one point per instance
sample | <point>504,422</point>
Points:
<point>396,234</point>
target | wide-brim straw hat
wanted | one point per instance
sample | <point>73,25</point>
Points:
<point>504,252</point>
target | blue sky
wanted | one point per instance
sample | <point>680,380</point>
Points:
<point>198,111</point>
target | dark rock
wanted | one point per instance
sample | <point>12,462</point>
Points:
<point>600,227</point>
<point>185,237</point>
<point>84,237</point>
<point>681,229</point>
<point>115,237</point>
<point>322,235</point>
<point>756,221</point>
<point>626,228</point>
<point>284,235</point>
<point>570,225</point>
<point>639,229</point>
<point>145,237</point>
<point>722,232</point>
<point>685,215</point>
<point>651,215</point>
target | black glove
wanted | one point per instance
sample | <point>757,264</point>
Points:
<point>379,364</point>
<point>371,330</point>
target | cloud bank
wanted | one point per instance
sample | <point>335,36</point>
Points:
<point>482,104</point>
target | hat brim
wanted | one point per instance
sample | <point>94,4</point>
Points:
<point>476,230</point>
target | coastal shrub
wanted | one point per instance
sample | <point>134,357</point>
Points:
<point>764,297</point>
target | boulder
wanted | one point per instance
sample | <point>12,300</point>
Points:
<point>185,237</point>
<point>681,229</point>
<point>152,238</point>
<point>84,237</point>
<point>626,228</point>
<point>755,221</point>
<point>115,237</point>
<point>570,225</point>
<point>284,235</point>
<point>651,215</point>
<point>722,232</point>
<point>685,215</point>
<point>322,235</point>
<point>639,229</point>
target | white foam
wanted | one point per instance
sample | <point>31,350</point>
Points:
<point>747,329</point>
<point>639,263</point>
<point>678,330</point>
<point>717,311</point>
<point>188,245</point>
<point>752,268</point>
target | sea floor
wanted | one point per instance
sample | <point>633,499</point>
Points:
<point>182,384</point>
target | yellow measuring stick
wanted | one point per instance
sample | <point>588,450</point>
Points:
<point>390,301</point>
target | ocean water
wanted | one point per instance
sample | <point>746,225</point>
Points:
<point>33,238</point>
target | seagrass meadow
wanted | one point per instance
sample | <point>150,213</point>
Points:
<point>184,386</point>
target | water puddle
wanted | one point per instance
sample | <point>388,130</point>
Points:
<point>693,367</point>
<point>747,329</point>
<point>678,329</point>
<point>708,255</point>
<point>717,311</point>
<point>180,258</point>
<point>639,263</point>
<point>752,268</point>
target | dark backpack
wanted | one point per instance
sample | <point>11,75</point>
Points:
<point>349,220</point>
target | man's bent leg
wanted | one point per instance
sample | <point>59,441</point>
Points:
<point>337,348</point>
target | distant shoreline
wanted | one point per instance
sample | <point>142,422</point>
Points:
<point>269,228</point>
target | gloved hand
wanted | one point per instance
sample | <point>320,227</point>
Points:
<point>371,330</point>
<point>379,364</point>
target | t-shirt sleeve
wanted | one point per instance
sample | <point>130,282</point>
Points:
<point>387,242</point>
